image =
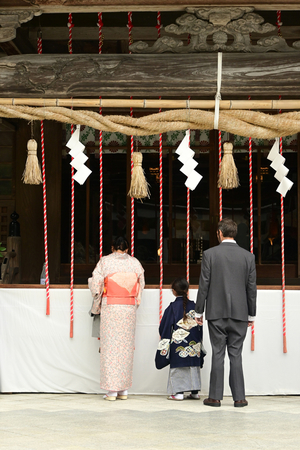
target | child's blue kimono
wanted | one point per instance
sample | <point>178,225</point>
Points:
<point>181,342</point>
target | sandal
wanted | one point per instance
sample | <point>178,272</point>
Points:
<point>173,397</point>
<point>109,397</point>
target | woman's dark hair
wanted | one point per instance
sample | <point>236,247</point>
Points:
<point>120,243</point>
<point>181,287</point>
<point>228,227</point>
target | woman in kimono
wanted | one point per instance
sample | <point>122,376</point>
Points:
<point>116,285</point>
<point>181,344</point>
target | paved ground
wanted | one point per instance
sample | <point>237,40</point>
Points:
<point>81,421</point>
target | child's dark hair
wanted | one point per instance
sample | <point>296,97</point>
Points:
<point>181,287</point>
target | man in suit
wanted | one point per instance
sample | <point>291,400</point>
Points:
<point>227,289</point>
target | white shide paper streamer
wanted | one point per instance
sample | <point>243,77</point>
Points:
<point>186,157</point>
<point>280,169</point>
<point>79,158</point>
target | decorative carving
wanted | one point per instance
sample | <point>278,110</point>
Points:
<point>95,75</point>
<point>11,20</point>
<point>217,29</point>
<point>41,74</point>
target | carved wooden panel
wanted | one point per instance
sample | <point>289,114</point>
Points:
<point>57,76</point>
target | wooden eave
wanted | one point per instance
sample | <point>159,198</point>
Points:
<point>56,6</point>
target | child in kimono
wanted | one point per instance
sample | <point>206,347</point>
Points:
<point>181,344</point>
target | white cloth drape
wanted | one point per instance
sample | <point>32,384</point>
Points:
<point>37,354</point>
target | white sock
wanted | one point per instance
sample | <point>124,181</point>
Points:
<point>112,394</point>
<point>195,395</point>
<point>123,392</point>
<point>178,396</point>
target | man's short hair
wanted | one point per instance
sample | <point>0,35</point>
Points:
<point>228,227</point>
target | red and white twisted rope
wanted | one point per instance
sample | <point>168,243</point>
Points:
<point>132,199</point>
<point>40,50</point>
<point>130,26</point>
<point>39,45</point>
<point>70,25</point>
<point>251,223</point>
<point>161,267</point>
<point>100,25</point>
<point>220,189</point>
<point>158,23</point>
<point>45,220</point>
<point>278,23</point>
<point>188,198</point>
<point>282,258</point>
<point>161,263</point>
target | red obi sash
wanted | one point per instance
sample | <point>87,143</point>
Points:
<point>121,288</point>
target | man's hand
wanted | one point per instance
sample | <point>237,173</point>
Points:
<point>250,323</point>
<point>199,320</point>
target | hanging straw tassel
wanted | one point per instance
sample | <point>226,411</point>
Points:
<point>228,177</point>
<point>139,186</point>
<point>32,173</point>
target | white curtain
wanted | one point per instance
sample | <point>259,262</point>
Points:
<point>37,354</point>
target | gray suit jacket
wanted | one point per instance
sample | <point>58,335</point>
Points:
<point>227,283</point>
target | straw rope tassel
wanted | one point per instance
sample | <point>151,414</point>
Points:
<point>139,188</point>
<point>100,25</point>
<point>228,177</point>
<point>40,50</point>
<point>32,172</point>
<point>220,161</point>
<point>70,25</point>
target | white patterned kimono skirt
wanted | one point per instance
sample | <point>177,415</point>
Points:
<point>117,341</point>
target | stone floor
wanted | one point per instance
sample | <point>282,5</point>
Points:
<point>82,421</point>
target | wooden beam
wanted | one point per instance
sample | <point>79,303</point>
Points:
<point>119,33</point>
<point>92,33</point>
<point>56,6</point>
<point>57,76</point>
<point>10,48</point>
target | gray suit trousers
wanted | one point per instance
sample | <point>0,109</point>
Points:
<point>228,333</point>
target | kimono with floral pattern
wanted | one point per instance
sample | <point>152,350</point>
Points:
<point>181,341</point>
<point>116,286</point>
